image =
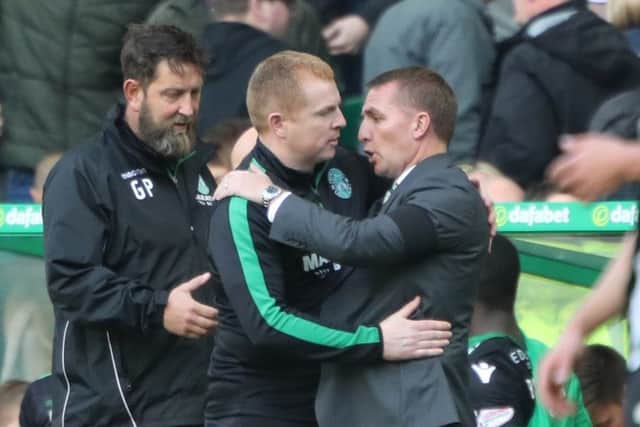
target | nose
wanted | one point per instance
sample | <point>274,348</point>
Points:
<point>364,135</point>
<point>188,106</point>
<point>340,122</point>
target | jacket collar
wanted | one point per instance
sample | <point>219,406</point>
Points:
<point>298,182</point>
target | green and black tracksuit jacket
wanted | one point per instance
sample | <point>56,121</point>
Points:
<point>270,340</point>
<point>122,227</point>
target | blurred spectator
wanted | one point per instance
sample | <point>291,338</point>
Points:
<point>11,393</point>
<point>59,73</point>
<point>592,165</point>
<point>494,183</point>
<point>597,165</point>
<point>223,137</point>
<point>346,27</point>
<point>43,168</point>
<point>27,316</point>
<point>502,16</point>
<point>243,35</point>
<point>620,116</point>
<point>615,291</point>
<point>494,317</point>
<point>625,15</point>
<point>305,31</point>
<point>348,22</point>
<point>188,15</point>
<point>563,64</point>
<point>599,7</point>
<point>602,372</point>
<point>455,39</point>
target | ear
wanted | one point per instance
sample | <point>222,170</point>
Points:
<point>133,93</point>
<point>277,125</point>
<point>421,124</point>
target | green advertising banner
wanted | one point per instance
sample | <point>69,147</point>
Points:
<point>536,217</point>
<point>20,219</point>
<point>526,217</point>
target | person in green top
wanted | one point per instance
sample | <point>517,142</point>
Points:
<point>495,333</point>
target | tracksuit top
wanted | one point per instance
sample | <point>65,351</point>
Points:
<point>122,227</point>
<point>270,341</point>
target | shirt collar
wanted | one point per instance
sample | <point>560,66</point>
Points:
<point>402,176</point>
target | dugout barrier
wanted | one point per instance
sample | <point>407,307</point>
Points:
<point>563,247</point>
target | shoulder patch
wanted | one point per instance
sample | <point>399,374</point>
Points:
<point>339,183</point>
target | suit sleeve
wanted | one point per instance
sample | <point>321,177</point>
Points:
<point>76,224</point>
<point>433,217</point>
<point>253,279</point>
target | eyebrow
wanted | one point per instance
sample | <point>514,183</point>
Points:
<point>176,89</point>
<point>372,112</point>
<point>327,108</point>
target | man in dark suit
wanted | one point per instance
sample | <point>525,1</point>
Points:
<point>428,237</point>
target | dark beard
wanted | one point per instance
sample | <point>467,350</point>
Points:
<point>165,140</point>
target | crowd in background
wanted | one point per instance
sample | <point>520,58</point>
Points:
<point>522,80</point>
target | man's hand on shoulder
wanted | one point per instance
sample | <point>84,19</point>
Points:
<point>405,339</point>
<point>248,184</point>
<point>186,317</point>
<point>488,204</point>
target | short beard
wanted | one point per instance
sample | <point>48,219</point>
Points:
<point>165,140</point>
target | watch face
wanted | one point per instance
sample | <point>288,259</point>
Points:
<point>270,193</point>
<point>272,190</point>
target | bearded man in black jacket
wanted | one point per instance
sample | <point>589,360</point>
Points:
<point>126,217</point>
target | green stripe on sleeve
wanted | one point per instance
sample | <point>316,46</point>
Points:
<point>273,315</point>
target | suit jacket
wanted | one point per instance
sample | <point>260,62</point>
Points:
<point>453,232</point>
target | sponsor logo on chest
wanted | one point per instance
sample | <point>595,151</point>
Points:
<point>319,265</point>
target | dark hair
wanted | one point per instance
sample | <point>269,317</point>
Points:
<point>145,46</point>
<point>499,275</point>
<point>226,133</point>
<point>424,90</point>
<point>602,372</point>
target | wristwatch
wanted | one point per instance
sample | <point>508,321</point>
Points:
<point>270,193</point>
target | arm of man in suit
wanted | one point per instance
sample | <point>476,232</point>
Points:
<point>411,230</point>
